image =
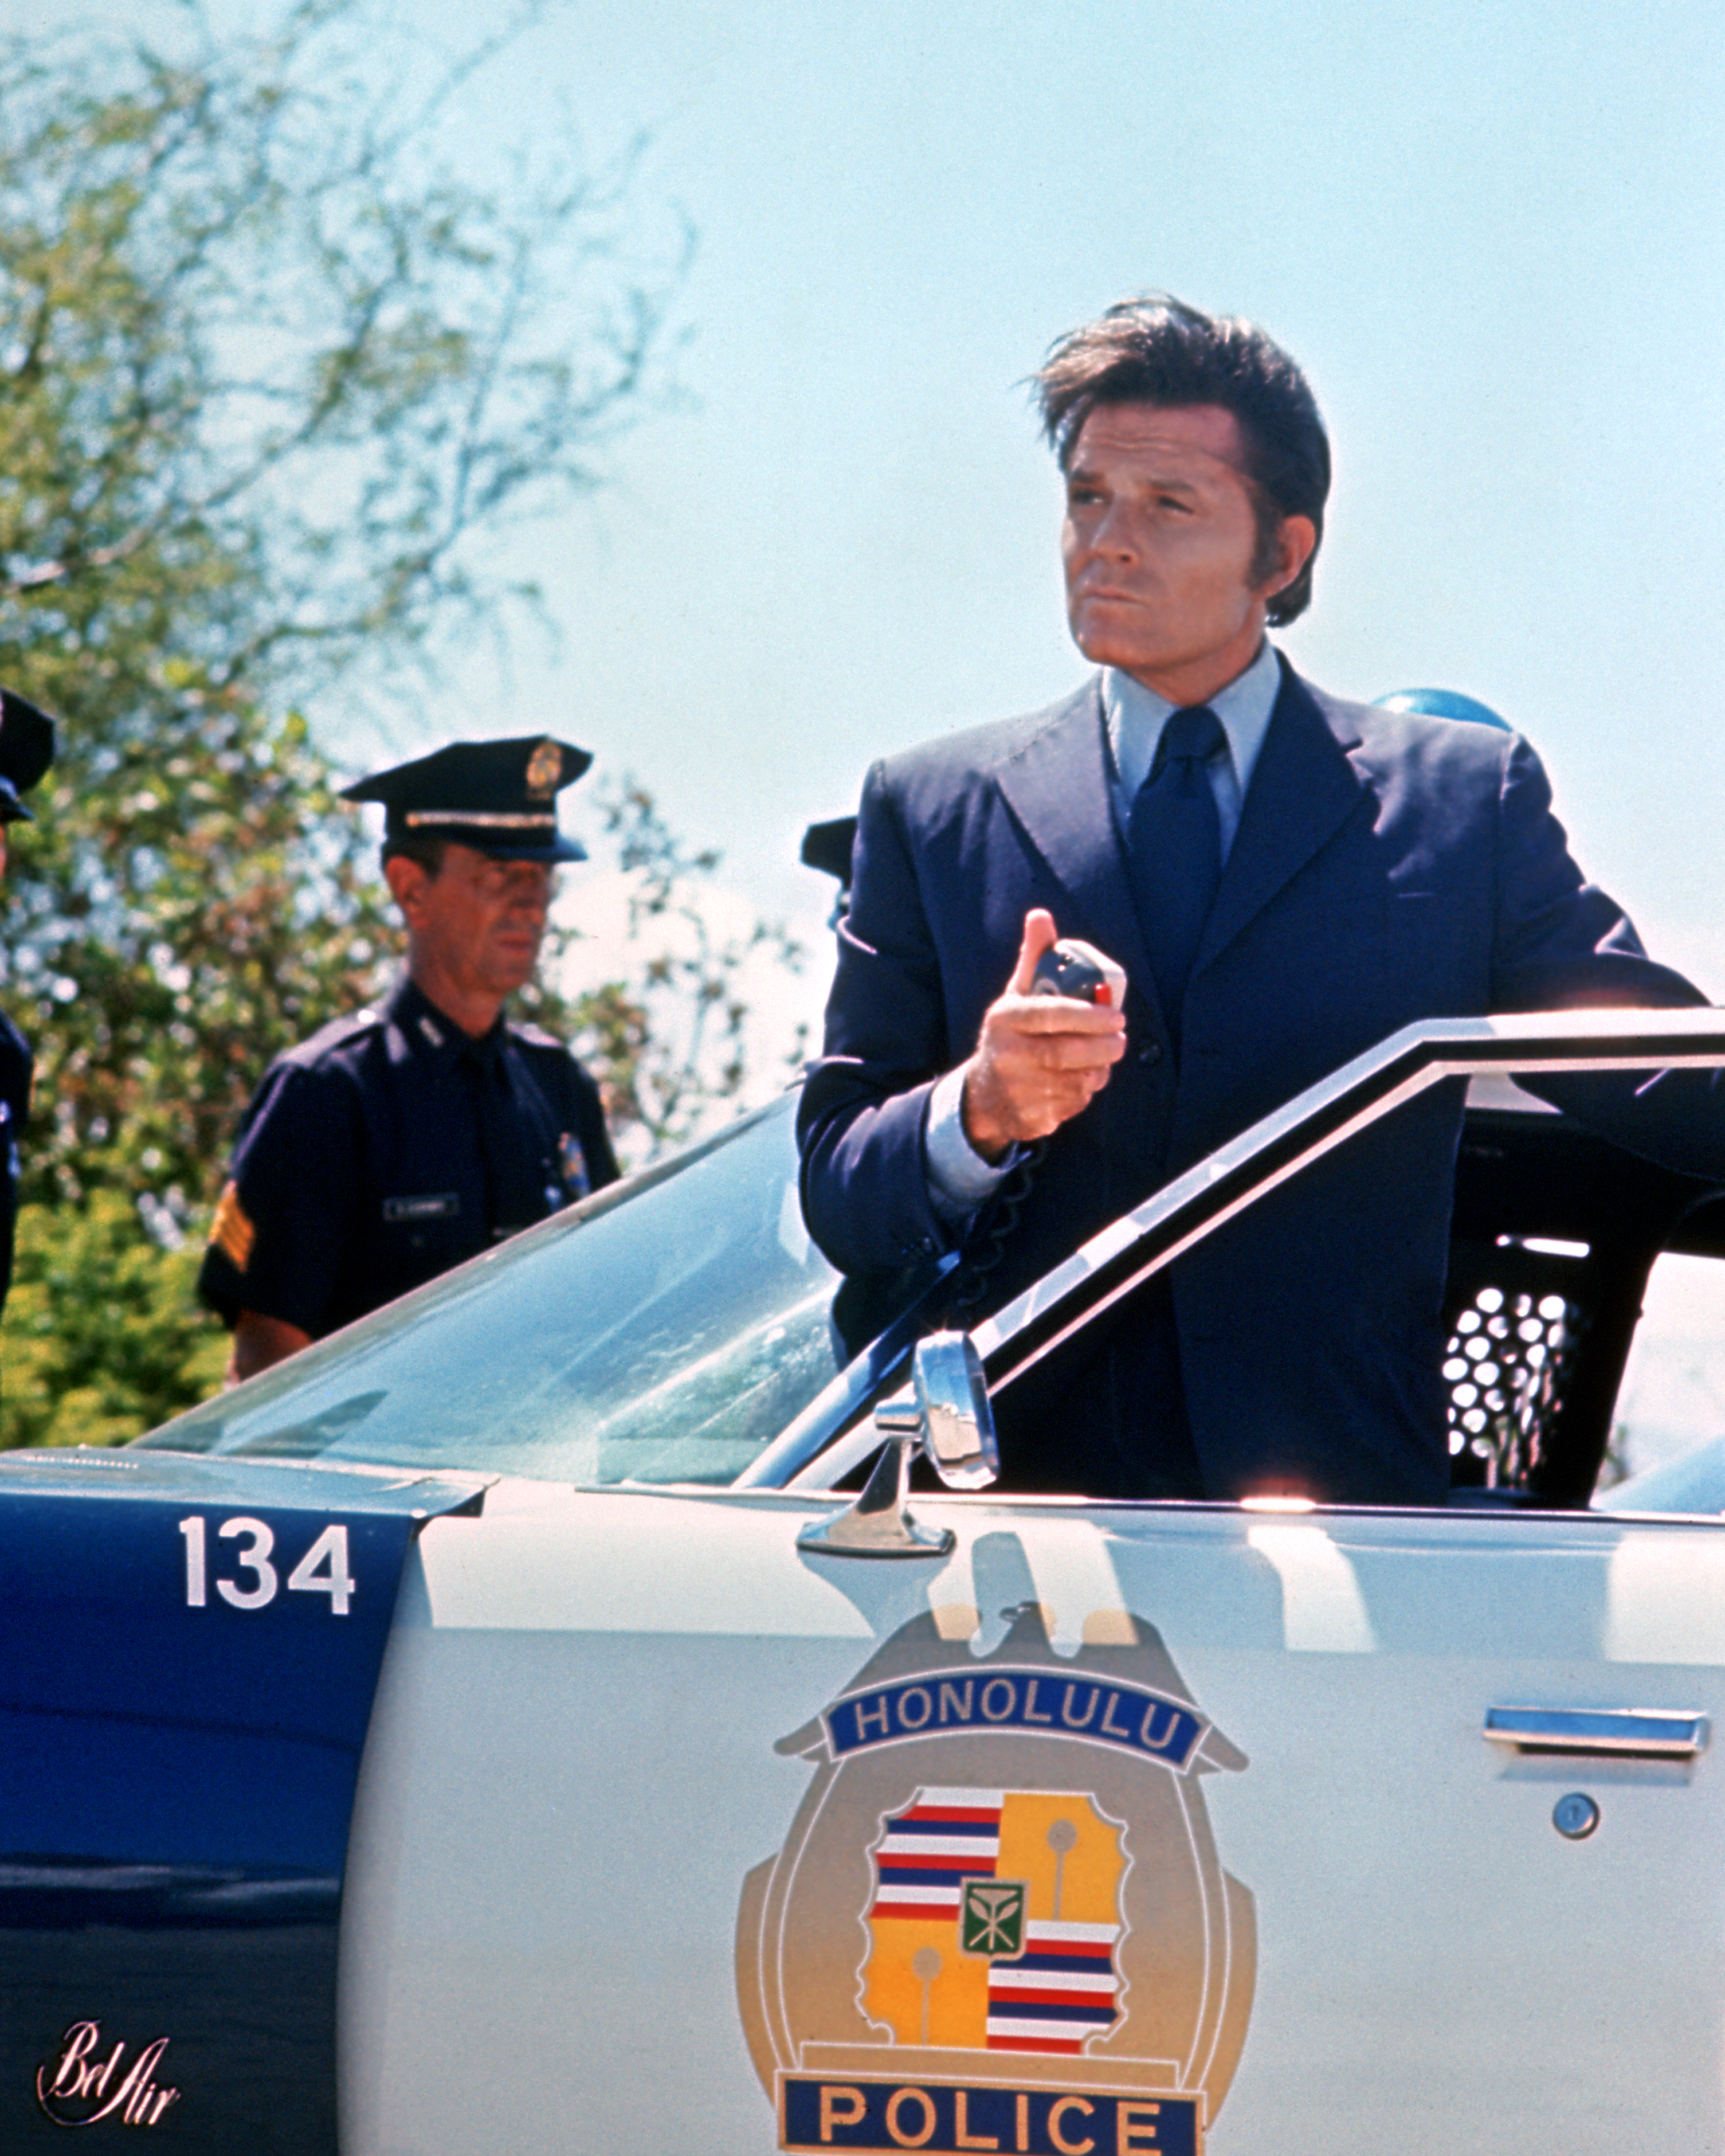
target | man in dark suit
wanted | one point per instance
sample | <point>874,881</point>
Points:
<point>1286,878</point>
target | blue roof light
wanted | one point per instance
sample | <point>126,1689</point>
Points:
<point>1443,704</point>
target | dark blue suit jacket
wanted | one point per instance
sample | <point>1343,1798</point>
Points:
<point>1387,867</point>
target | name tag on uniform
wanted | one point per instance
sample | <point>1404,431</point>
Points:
<point>443,1206</point>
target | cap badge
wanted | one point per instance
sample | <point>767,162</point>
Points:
<point>545,771</point>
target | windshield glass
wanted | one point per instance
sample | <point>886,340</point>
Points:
<point>663,1331</point>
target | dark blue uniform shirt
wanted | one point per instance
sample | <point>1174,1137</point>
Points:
<point>16,1064</point>
<point>390,1146</point>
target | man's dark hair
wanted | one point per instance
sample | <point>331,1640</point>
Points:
<point>428,852</point>
<point>1156,350</point>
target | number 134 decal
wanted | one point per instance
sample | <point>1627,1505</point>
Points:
<point>322,1570</point>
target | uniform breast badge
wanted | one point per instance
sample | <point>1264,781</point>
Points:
<point>577,1182</point>
<point>998,1921</point>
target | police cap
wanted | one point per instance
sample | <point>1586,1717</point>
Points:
<point>827,847</point>
<point>26,752</point>
<point>498,797</point>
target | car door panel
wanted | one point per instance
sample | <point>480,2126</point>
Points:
<point>1440,1966</point>
<point>606,1853</point>
<point>571,1769</point>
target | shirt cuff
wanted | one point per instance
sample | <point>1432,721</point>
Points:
<point>959,1178</point>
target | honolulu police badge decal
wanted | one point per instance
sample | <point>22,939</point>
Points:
<point>998,1921</point>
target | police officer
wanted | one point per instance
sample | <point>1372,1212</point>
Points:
<point>393,1144</point>
<point>26,752</point>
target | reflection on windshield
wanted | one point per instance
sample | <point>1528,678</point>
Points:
<point>661,1333</point>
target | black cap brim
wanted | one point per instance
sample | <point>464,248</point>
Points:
<point>560,849</point>
<point>828,847</point>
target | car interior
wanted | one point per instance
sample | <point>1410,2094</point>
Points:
<point>1555,1233</point>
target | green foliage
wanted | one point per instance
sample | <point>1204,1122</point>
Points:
<point>270,369</point>
<point>271,379</point>
<point>103,1338</point>
<point>268,375</point>
<point>170,931</point>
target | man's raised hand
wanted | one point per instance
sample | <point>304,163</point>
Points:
<point>1040,1061</point>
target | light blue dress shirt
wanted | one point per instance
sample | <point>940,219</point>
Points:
<point>959,1178</point>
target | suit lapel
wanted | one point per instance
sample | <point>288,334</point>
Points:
<point>1302,790</point>
<point>1059,788</point>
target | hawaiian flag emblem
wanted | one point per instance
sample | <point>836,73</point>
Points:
<point>994,1920</point>
<point>1059,1991</point>
<point>932,1848</point>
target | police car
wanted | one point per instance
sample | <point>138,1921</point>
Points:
<point>551,1715</point>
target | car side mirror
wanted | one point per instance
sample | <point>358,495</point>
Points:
<point>956,1423</point>
<point>947,1415</point>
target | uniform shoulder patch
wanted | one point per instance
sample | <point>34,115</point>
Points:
<point>232,1231</point>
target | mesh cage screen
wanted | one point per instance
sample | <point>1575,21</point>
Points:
<point>1515,1319</point>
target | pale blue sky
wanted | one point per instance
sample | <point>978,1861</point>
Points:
<point>1491,233</point>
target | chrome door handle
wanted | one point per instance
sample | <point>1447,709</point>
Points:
<point>1654,1734</point>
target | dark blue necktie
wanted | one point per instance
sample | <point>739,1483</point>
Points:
<point>515,1184</point>
<point>1175,841</point>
